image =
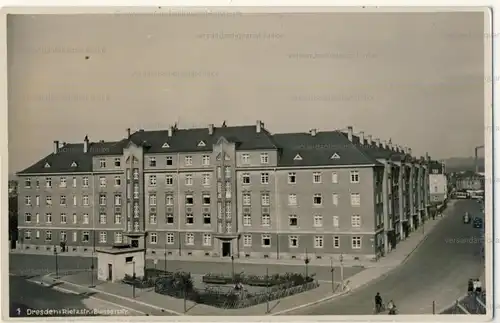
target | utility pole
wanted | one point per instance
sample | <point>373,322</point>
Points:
<point>133,284</point>
<point>57,264</point>
<point>267,290</point>
<point>232,266</point>
<point>306,262</point>
<point>341,258</point>
<point>165,255</point>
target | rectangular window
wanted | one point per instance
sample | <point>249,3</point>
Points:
<point>266,220</point>
<point>355,199</point>
<point>293,220</point>
<point>245,159</point>
<point>354,176</point>
<point>75,236</point>
<point>64,218</point>
<point>152,161</point>
<point>336,242</point>
<point>48,182</point>
<point>189,218</point>
<point>169,160</point>
<point>316,177</point>
<point>118,237</point>
<point>85,200</point>
<point>318,242</point>
<point>27,235</point>
<point>317,200</point>
<point>247,199</point>
<point>152,199</point>
<point>264,158</point>
<point>356,242</point>
<point>292,199</point>
<point>169,218</point>
<point>85,218</point>
<point>118,181</point>
<point>265,199</point>
<point>206,199</point>
<point>292,178</point>
<point>27,217</point>
<point>48,217</point>
<point>27,183</point>
<point>247,220</point>
<point>118,218</point>
<point>48,200</point>
<point>85,181</point>
<point>247,240</point>
<point>207,239</point>
<point>102,218</point>
<point>152,218</point>
<point>62,182</point>
<point>266,240</point>
<point>85,236</point>
<point>335,178</point>
<point>37,200</point>
<point>62,200</point>
<point>335,199</point>
<point>356,221</point>
<point>205,160</point>
<point>189,179</point>
<point>264,178</point>
<point>207,219</point>
<point>153,238</point>
<point>75,218</point>
<point>74,181</point>
<point>189,199</point>
<point>103,237</point>
<point>48,235</point>
<point>245,178</point>
<point>293,241</point>
<point>27,200</point>
<point>335,221</point>
<point>227,172</point>
<point>170,238</point>
<point>169,199</point>
<point>189,239</point>
<point>102,163</point>
<point>188,160</point>
<point>102,199</point>
<point>169,180</point>
<point>152,180</point>
<point>102,181</point>
<point>205,179</point>
<point>118,200</point>
<point>117,162</point>
<point>318,220</point>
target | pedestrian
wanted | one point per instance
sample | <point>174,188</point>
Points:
<point>470,288</point>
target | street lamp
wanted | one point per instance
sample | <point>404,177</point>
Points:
<point>306,262</point>
<point>267,290</point>
<point>232,266</point>
<point>165,257</point>
<point>57,264</point>
<point>133,276</point>
<point>333,275</point>
<point>92,276</point>
<point>341,258</point>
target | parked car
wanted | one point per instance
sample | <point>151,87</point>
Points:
<point>478,223</point>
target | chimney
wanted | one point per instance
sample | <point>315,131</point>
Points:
<point>427,157</point>
<point>384,144</point>
<point>390,146</point>
<point>128,133</point>
<point>259,126</point>
<point>349,133</point>
<point>56,146</point>
<point>362,137</point>
<point>86,144</point>
<point>313,132</point>
<point>170,131</point>
<point>409,151</point>
<point>369,139</point>
<point>377,142</point>
<point>211,129</point>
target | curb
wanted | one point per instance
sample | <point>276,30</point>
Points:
<point>312,303</point>
<point>124,298</point>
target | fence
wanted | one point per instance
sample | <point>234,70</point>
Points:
<point>468,305</point>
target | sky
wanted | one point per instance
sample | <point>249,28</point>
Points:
<point>415,78</point>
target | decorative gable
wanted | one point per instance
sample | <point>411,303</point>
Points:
<point>166,145</point>
<point>335,156</point>
<point>73,164</point>
<point>47,165</point>
<point>201,144</point>
<point>297,157</point>
<point>226,157</point>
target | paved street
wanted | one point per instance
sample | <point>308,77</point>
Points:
<point>437,271</point>
<point>27,297</point>
<point>27,264</point>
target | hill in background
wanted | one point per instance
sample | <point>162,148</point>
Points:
<point>457,164</point>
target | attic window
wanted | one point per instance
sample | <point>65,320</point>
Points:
<point>47,165</point>
<point>165,145</point>
<point>201,144</point>
<point>73,164</point>
<point>297,157</point>
<point>335,156</point>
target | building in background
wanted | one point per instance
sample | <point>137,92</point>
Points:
<point>438,183</point>
<point>226,191</point>
<point>469,181</point>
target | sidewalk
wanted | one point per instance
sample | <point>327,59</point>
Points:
<point>147,297</point>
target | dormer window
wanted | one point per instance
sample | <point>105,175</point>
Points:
<point>47,165</point>
<point>165,145</point>
<point>297,157</point>
<point>73,164</point>
<point>335,156</point>
<point>201,144</point>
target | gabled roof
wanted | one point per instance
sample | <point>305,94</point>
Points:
<point>318,150</point>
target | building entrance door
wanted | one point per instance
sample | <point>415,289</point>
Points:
<point>226,249</point>
<point>110,272</point>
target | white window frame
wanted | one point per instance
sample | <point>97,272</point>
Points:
<point>85,181</point>
<point>117,218</point>
<point>247,220</point>
<point>63,182</point>
<point>103,237</point>
<point>247,240</point>
<point>103,218</point>
<point>314,199</point>
<point>118,181</point>
<point>102,181</point>
<point>206,179</point>
<point>336,242</point>
<point>102,163</point>
<point>85,218</point>
<point>85,200</point>
<point>355,199</point>
<point>335,199</point>
<point>264,237</point>
<point>153,238</point>
<point>335,178</point>
<point>318,221</point>
<point>335,221</point>
<point>264,158</point>
<point>247,199</point>
<point>356,242</point>
<point>152,162</point>
<point>48,235</point>
<point>188,160</point>
<point>189,239</point>
<point>118,237</point>
<point>48,182</point>
<point>245,159</point>
<point>189,179</point>
<point>64,218</point>
<point>170,236</point>
<point>356,221</point>
<point>317,178</point>
<point>290,239</point>
<point>205,160</point>
<point>169,179</point>
<point>207,239</point>
<point>319,242</point>
<point>292,199</point>
<point>293,216</point>
<point>246,179</point>
<point>292,175</point>
<point>265,199</point>
<point>265,220</point>
<point>48,217</point>
<point>264,178</point>
<point>153,199</point>
<point>354,176</point>
<point>152,180</point>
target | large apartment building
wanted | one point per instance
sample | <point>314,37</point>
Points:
<point>226,191</point>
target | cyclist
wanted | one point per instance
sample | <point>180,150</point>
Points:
<point>391,307</point>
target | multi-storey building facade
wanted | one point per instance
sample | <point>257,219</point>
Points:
<point>438,183</point>
<point>226,191</point>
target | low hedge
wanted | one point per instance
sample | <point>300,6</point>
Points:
<point>255,280</point>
